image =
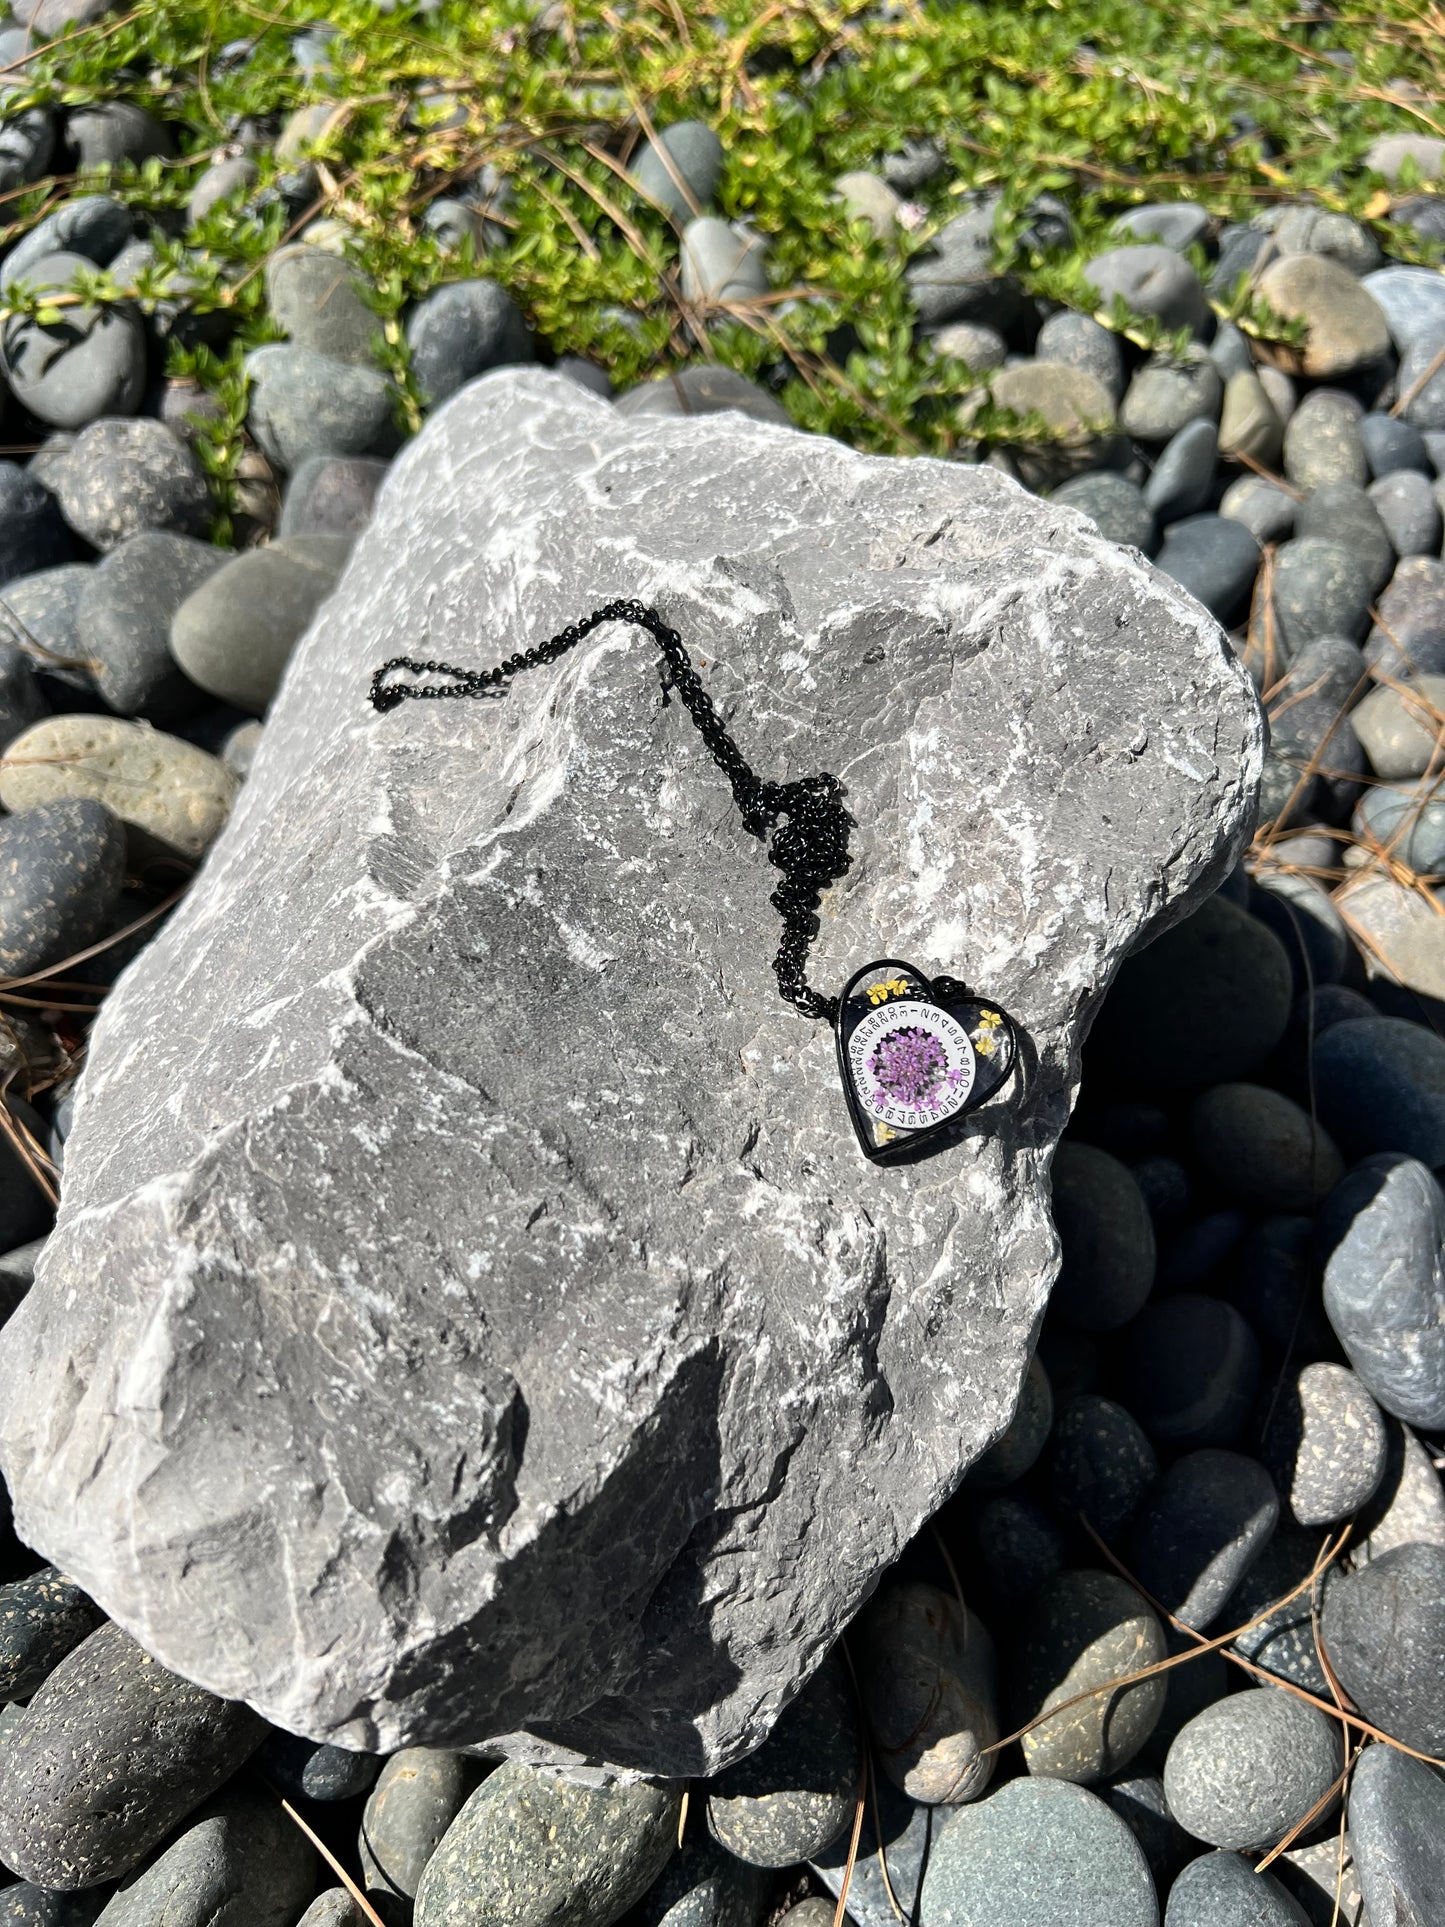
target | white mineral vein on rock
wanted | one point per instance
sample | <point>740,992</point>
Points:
<point>469,1313</point>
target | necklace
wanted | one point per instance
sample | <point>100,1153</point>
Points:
<point>914,1054</point>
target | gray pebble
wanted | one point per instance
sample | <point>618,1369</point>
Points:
<point>331,495</point>
<point>791,1799</point>
<point>1206,1521</point>
<point>1281,1637</point>
<point>1152,280</point>
<point>123,618</point>
<point>1344,513</point>
<point>1320,588</point>
<point>1265,509</point>
<point>1422,380</point>
<point>1221,1890</point>
<point>1250,1767</point>
<point>1303,916</point>
<point>308,1770</point>
<point>1183,476</point>
<point>124,476</point>
<point>1400,730</point>
<point>683,183</point>
<point>1019,1547</point>
<point>91,225</point>
<point>27,142</point>
<point>304,403</point>
<point>316,301</point>
<point>1215,559</point>
<point>421,1790</point>
<point>897,1829</point>
<point>1084,1629</point>
<point>26,1905</point>
<point>458,332</point>
<point>1114,505</point>
<point>1323,443</point>
<point>722,261</point>
<point>240,1858</point>
<point>1249,428</point>
<point>238,752</point>
<point>32,534</point>
<point>61,868</point>
<point>221,182</point>
<point>92,363</point>
<point>1190,1370</point>
<point>42,1618</point>
<point>1240,249</point>
<point>1079,341</point>
<point>1397,1835</point>
<point>1408,821</point>
<point>1321,1877</point>
<point>21,700</point>
<point>1319,230</point>
<point>1384,1290</point>
<point>1107,1239</point>
<point>1324,1446</point>
<point>1038,1853</point>
<point>1101,1465</point>
<point>1177,224</point>
<point>701,1886</point>
<point>1345,328</point>
<point>1411,515</point>
<point>925,1667</point>
<point>1409,637</point>
<point>1384,1630</point>
<point>113,1752</point>
<point>115,130</point>
<point>1380,1086</point>
<point>1019,1446</point>
<point>868,197</point>
<point>1264,1149</point>
<point>1168,391</point>
<point>1409,1505</point>
<point>1413,300</point>
<point>703,390</point>
<point>334,1908</point>
<point>916,162</point>
<point>234,634</point>
<point>980,348</point>
<point>535,1850</point>
<point>1393,446</point>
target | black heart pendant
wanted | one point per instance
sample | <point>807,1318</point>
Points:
<point>915,1056</point>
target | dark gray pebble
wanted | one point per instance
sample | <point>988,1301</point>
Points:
<point>792,1798</point>
<point>92,363</point>
<point>21,700</point>
<point>703,390</point>
<point>1283,1640</point>
<point>1215,559</point>
<point>1169,391</point>
<point>459,331</point>
<point>1380,1086</point>
<point>1222,1890</point>
<point>121,477</point>
<point>331,495</point>
<point>304,404</point>
<point>680,168</point>
<point>115,130</point>
<point>61,868</point>
<point>1250,1767</point>
<point>1106,1236</point>
<point>27,142</point>
<point>1344,513</point>
<point>32,534</point>
<point>1079,341</point>
<point>701,1886</point>
<point>1012,1454</point>
<point>904,1832</point>
<point>420,1792</point>
<point>1397,1835</point>
<point>1392,445</point>
<point>1323,443</point>
<point>1409,638</point>
<point>1082,1630</point>
<point>1201,1249</point>
<point>26,1905</point>
<point>1019,1546</point>
<point>1409,1505</point>
<point>1384,1630</point>
<point>1152,280</point>
<point>316,301</point>
<point>42,1618</point>
<point>1303,916</point>
<point>234,633</point>
<point>308,1770</point>
<point>123,622</point>
<point>1324,1445</point>
<point>1407,506</point>
<point>1191,1371</point>
<point>240,1857</point>
<point>1101,1464</point>
<point>1183,476</point>
<point>1320,589</point>
<point>1114,505</point>
<point>1177,224</point>
<point>1204,1524</point>
<point>1384,1284</point>
<point>1167,1191</point>
<point>1263,1149</point>
<point>113,1751</point>
<point>925,1669</point>
<point>1138,1799</point>
<point>1265,509</point>
<point>91,225</point>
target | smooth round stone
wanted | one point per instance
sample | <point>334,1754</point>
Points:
<point>1239,249</point>
<point>1409,637</point>
<point>1324,1446</point>
<point>1074,406</point>
<point>1078,341</point>
<point>421,1790</point>
<point>1175,224</point>
<point>1168,391</point>
<point>1248,425</point>
<point>1107,1239</point>
<point>792,1798</point>
<point>1409,1506</point>
<point>120,477</point>
<point>1380,1085</point>
<point>1215,559</point>
<point>122,622</point>
<point>233,635</point>
<point>61,869</point>
<point>1263,1149</point>
<point>113,1752</point>
<point>334,1908</point>
<point>1322,441</point>
<point>92,363</point>
<point>1012,1454</point>
<point>1413,300</point>
<point>1250,1767</point>
<point>701,1886</point>
<point>1344,513</point>
<point>32,535</point>
<point>27,142</point>
<point>458,332</point>
<point>1409,822</point>
<point>304,403</point>
<point>1138,1799</point>
<point>1346,328</point>
<point>1320,589</point>
<point>42,1618</point>
<point>1114,505</point>
<point>1318,230</point>
<point>1400,729</point>
<point>1422,379</point>
<point>722,262</point>
<point>1278,1631</point>
<point>703,390</point>
<point>1303,916</point>
<point>894,1828</point>
<point>238,751</point>
<point>21,700</point>
<point>1393,446</point>
<point>1383,1288</point>
<point>1084,1629</point>
<point>1222,1890</point>
<point>169,793</point>
<point>1411,515</point>
<point>1384,1630</point>
<point>316,300</point>
<point>455,225</point>
<point>241,1857</point>
<point>1038,1853</point>
<point>1183,476</point>
<point>1191,1370</point>
<point>926,1676</point>
<point>115,130</point>
<point>307,1770</point>
<point>1151,280</point>
<point>868,197</point>
<point>586,374</point>
<point>953,280</point>
<point>331,495</point>
<point>1389,153</point>
<point>92,225</point>
<point>1019,1547</point>
<point>980,348</point>
<point>1397,1835</point>
<point>1101,1465</point>
<point>1266,510</point>
<point>685,181</point>
<point>222,181</point>
<point>1205,1002</point>
<point>26,1905</point>
<point>1230,351</point>
<point>1206,1521</point>
<point>1398,924</point>
<point>535,1850</point>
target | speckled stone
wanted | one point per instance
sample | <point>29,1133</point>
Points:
<point>1106,1235</point>
<point>1083,1629</point>
<point>1320,1876</point>
<point>1283,1640</point>
<point>1265,509</point>
<point>1409,1504</point>
<point>1038,1853</point>
<point>1397,1836</point>
<point>1344,513</point>
<point>1081,342</point>
<point>169,793</point>
<point>1383,1287</point>
<point>792,1798</point>
<point>1318,230</point>
<point>42,1618</point>
<point>1204,1524</point>
<point>113,1751</point>
<point>1325,1444</point>
<point>1018,1547</point>
<point>420,1792</point>
<point>1346,328</point>
<point>1320,588</point>
<point>904,1831</point>
<point>120,477</point>
<point>460,330</point>
<point>925,1667</point>
<point>305,1770</point>
<point>1101,1464</point>
<point>1409,638</point>
<point>1019,1446</point>
<point>534,1850</point>
<point>1384,1630</point>
<point>240,1858</point>
<point>304,403</point>
<point>1400,728</point>
<point>1322,441</point>
<point>701,1886</point>
<point>1190,1371</point>
<point>123,616</point>
<point>316,300</point>
<point>61,868</point>
<point>1250,1767</point>
<point>1221,1890</point>
<point>1114,505</point>
<point>39,612</point>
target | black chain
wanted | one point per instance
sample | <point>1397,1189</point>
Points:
<point>811,848</point>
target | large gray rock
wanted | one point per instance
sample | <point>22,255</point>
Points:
<point>484,1319</point>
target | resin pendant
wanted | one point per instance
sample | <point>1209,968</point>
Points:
<point>915,1056</point>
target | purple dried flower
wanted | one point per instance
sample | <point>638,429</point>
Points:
<point>909,1065</point>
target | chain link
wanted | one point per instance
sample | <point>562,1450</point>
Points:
<point>811,847</point>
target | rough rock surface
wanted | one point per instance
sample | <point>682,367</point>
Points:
<point>478,1316</point>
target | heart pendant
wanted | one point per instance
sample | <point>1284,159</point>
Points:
<point>915,1056</point>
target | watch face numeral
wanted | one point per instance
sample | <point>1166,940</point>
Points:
<point>916,1055</point>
